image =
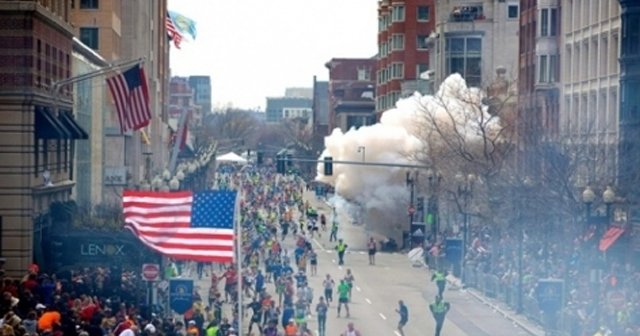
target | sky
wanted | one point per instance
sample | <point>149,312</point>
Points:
<point>254,49</point>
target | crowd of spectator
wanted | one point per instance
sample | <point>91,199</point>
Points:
<point>591,278</point>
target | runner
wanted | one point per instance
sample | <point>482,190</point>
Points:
<point>404,316</point>
<point>351,331</point>
<point>350,279</point>
<point>321,311</point>
<point>343,296</point>
<point>256,317</point>
<point>372,251</point>
<point>313,261</point>
<point>328,285</point>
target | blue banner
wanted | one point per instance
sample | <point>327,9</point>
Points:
<point>180,295</point>
<point>549,293</point>
<point>453,252</point>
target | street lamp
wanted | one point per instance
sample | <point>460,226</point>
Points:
<point>588,198</point>
<point>527,183</point>
<point>601,222</point>
<point>174,184</point>
<point>433,180</point>
<point>361,149</point>
<point>465,192</point>
<point>411,180</point>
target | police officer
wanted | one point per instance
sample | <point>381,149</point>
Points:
<point>441,280</point>
<point>341,248</point>
<point>439,310</point>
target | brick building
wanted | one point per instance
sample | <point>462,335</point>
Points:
<point>351,92</point>
<point>403,53</point>
<point>37,139</point>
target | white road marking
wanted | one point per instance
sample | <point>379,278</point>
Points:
<point>329,251</point>
<point>397,333</point>
<point>383,317</point>
<point>357,288</point>
<point>333,261</point>
<point>368,301</point>
<point>317,243</point>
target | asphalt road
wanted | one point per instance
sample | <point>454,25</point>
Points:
<point>378,288</point>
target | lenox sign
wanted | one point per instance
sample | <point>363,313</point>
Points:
<point>102,249</point>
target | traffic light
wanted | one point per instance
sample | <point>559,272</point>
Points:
<point>280,164</point>
<point>328,166</point>
<point>420,203</point>
<point>260,157</point>
<point>289,161</point>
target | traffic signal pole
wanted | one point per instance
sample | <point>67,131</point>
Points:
<point>360,163</point>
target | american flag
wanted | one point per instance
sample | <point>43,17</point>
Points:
<point>173,32</point>
<point>131,96</point>
<point>183,225</point>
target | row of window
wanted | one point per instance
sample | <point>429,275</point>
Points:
<point>396,42</point>
<point>398,14</point>
<point>385,102</point>
<point>393,71</point>
<point>463,55</point>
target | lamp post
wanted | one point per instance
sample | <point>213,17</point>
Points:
<point>433,180</point>
<point>361,149</point>
<point>527,183</point>
<point>588,198</point>
<point>601,222</point>
<point>465,192</point>
<point>411,180</point>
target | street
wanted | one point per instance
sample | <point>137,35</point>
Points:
<point>378,288</point>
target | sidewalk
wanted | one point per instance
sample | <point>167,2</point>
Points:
<point>531,327</point>
<point>357,237</point>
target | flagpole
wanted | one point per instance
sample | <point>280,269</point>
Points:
<point>239,260</point>
<point>173,161</point>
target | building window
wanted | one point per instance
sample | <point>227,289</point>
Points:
<point>364,74</point>
<point>463,55</point>
<point>553,68</point>
<point>423,13</point>
<point>420,69</point>
<point>397,42</point>
<point>89,36</point>
<point>397,14</point>
<point>89,4</point>
<point>397,70</point>
<point>542,69</point>
<point>547,68</point>
<point>421,42</point>
<point>512,11</point>
<point>548,22</point>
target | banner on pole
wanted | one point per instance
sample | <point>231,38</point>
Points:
<point>180,295</point>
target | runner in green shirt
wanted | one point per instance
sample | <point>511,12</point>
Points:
<point>343,296</point>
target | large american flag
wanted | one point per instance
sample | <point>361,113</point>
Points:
<point>172,32</point>
<point>131,97</point>
<point>183,225</point>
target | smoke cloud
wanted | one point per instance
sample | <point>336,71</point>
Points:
<point>379,196</point>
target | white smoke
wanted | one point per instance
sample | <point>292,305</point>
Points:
<point>381,192</point>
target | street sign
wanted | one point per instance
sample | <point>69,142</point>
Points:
<point>180,295</point>
<point>151,272</point>
<point>411,210</point>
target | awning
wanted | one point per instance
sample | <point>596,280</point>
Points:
<point>47,126</point>
<point>610,237</point>
<point>77,133</point>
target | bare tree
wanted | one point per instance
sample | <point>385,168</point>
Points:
<point>465,132</point>
<point>231,124</point>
